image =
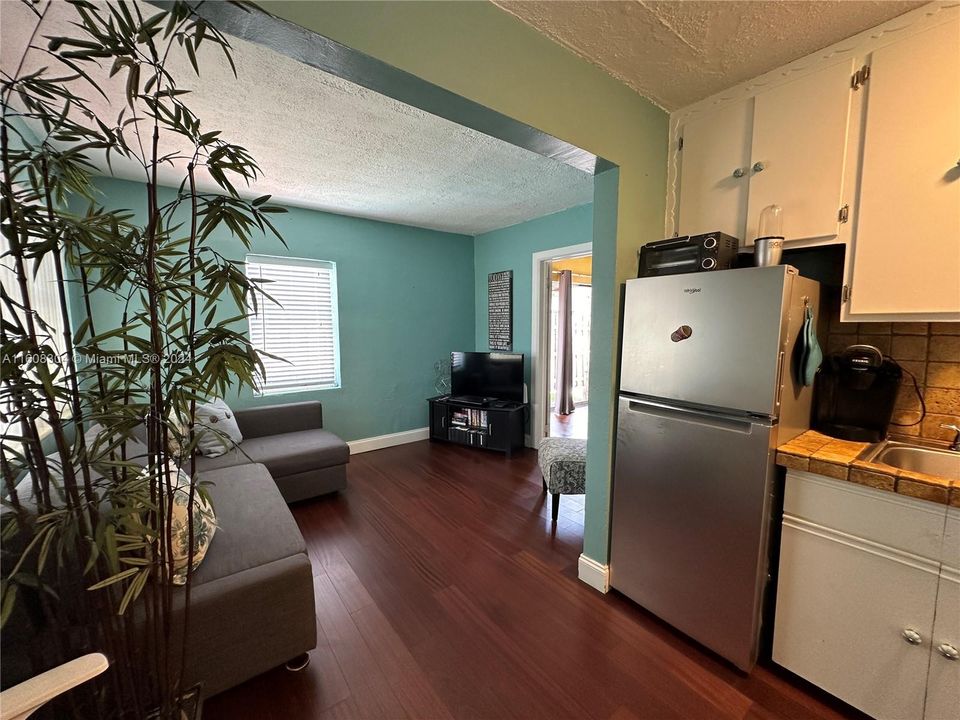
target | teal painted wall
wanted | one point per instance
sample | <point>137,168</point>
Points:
<point>512,248</point>
<point>475,50</point>
<point>406,300</point>
<point>603,370</point>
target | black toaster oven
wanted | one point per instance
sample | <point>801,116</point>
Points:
<point>688,253</point>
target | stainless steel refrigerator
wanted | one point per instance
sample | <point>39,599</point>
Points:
<point>708,389</point>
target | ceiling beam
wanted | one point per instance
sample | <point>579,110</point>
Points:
<point>255,25</point>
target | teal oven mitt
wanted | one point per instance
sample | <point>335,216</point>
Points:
<point>810,353</point>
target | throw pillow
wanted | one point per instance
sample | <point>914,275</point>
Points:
<point>175,431</point>
<point>98,441</point>
<point>25,485</point>
<point>204,524</point>
<point>216,428</point>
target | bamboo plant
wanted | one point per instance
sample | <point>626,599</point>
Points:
<point>87,531</point>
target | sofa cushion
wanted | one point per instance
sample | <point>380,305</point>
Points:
<point>254,525</point>
<point>286,454</point>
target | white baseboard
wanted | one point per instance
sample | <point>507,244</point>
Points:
<point>384,441</point>
<point>594,574</point>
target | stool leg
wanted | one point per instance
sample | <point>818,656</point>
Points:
<point>543,481</point>
<point>556,505</point>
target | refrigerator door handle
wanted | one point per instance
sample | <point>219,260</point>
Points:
<point>780,366</point>
<point>726,422</point>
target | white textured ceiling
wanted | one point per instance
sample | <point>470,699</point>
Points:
<point>681,51</point>
<point>327,144</point>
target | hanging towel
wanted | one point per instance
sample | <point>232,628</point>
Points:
<point>810,354</point>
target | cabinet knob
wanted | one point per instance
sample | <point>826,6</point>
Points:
<point>911,636</point>
<point>758,167</point>
<point>738,173</point>
<point>948,651</point>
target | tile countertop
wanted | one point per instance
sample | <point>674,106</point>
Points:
<point>837,459</point>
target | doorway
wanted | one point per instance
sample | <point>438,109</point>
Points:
<point>561,342</point>
<point>569,365</point>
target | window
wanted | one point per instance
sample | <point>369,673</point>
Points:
<point>44,294</point>
<point>298,325</point>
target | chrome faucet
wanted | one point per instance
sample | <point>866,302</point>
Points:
<point>955,445</point>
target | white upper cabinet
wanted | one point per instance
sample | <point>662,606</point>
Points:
<point>859,143</point>
<point>797,154</point>
<point>907,243</point>
<point>785,146</point>
<point>715,170</point>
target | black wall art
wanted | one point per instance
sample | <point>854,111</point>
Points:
<point>500,309</point>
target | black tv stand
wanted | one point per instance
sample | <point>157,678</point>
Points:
<point>472,400</point>
<point>493,425</point>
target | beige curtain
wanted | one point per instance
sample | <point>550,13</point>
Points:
<point>564,369</point>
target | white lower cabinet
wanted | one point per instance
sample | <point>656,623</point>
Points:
<point>842,610</point>
<point>869,622</point>
<point>943,686</point>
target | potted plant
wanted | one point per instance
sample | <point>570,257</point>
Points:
<point>90,540</point>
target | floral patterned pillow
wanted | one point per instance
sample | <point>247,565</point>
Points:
<point>204,524</point>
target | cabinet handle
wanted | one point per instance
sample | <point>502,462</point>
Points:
<point>948,651</point>
<point>738,173</point>
<point>758,167</point>
<point>912,636</point>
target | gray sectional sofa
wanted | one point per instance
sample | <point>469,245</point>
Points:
<point>304,459</point>
<point>257,566</point>
<point>252,603</point>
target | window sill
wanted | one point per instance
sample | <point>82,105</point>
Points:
<point>291,391</point>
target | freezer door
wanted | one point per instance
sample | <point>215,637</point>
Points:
<point>692,500</point>
<point>711,338</point>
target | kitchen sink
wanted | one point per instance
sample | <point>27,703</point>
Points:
<point>916,458</point>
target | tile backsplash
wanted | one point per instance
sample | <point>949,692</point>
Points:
<point>931,351</point>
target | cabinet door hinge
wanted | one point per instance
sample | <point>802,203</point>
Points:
<point>680,144</point>
<point>844,214</point>
<point>845,294</point>
<point>860,77</point>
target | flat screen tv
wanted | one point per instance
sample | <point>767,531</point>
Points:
<point>487,375</point>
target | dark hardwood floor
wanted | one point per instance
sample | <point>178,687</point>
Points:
<point>443,591</point>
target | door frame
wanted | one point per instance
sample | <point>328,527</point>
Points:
<point>540,334</point>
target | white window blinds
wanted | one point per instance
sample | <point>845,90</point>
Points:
<point>297,323</point>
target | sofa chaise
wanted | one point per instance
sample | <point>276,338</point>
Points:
<point>251,604</point>
<point>304,459</point>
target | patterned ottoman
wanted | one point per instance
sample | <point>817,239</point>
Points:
<point>563,463</point>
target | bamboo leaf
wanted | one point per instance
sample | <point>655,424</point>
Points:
<point>188,46</point>
<point>133,590</point>
<point>122,575</point>
<point>133,84</point>
<point>7,602</point>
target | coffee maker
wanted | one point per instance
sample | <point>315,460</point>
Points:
<point>854,394</point>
